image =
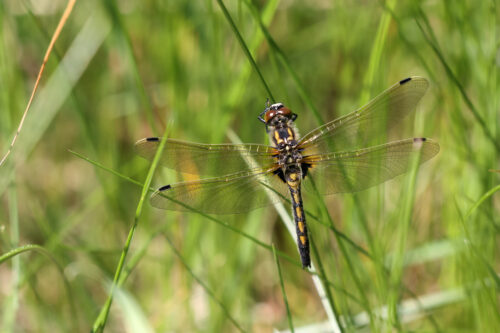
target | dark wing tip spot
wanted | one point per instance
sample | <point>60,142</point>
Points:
<point>405,80</point>
<point>419,139</point>
<point>153,139</point>
<point>163,188</point>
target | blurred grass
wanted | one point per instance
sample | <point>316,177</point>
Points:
<point>134,66</point>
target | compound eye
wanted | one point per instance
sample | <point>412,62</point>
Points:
<point>277,109</point>
<point>285,111</point>
<point>269,115</point>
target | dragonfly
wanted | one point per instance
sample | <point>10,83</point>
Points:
<point>341,156</point>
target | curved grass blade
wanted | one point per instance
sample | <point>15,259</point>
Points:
<point>481,200</point>
<point>11,304</point>
<point>37,248</point>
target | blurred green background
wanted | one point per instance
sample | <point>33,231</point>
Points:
<point>425,254</point>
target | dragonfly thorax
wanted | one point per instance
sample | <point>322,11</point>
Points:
<point>284,137</point>
<point>282,134</point>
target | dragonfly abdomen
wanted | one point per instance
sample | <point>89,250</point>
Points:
<point>293,180</point>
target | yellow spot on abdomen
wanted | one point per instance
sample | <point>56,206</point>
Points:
<point>302,240</point>
<point>300,224</point>
<point>298,211</point>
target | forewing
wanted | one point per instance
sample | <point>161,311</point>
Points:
<point>231,194</point>
<point>357,129</point>
<point>198,158</point>
<point>358,170</point>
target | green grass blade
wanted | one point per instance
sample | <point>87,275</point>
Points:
<point>345,254</point>
<point>376,53</point>
<point>341,236</point>
<point>401,243</point>
<point>238,90</point>
<point>136,257</point>
<point>245,49</point>
<point>431,39</point>
<point>281,56</point>
<point>102,318</point>
<point>481,200</point>
<point>482,288</point>
<point>337,325</point>
<point>204,286</point>
<point>410,45</point>
<point>472,209</point>
<point>283,292</point>
<point>120,30</point>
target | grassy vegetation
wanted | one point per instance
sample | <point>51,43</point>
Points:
<point>418,253</point>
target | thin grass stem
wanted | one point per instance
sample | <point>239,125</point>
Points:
<point>102,318</point>
<point>283,292</point>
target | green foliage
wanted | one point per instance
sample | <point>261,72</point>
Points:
<point>418,253</point>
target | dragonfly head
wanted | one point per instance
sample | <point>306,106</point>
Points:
<point>277,113</point>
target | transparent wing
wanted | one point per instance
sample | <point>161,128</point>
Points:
<point>356,129</point>
<point>358,170</point>
<point>231,194</point>
<point>198,158</point>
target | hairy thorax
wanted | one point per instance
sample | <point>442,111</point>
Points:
<point>284,137</point>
